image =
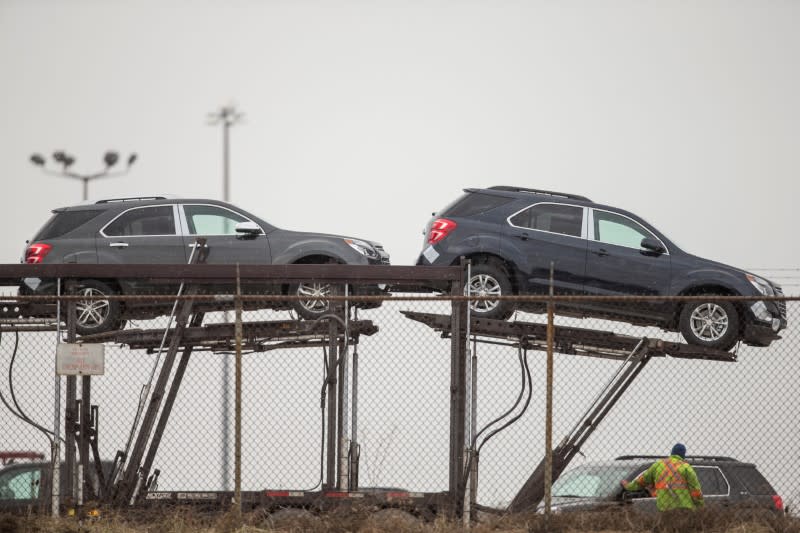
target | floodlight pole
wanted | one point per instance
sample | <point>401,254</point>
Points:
<point>227,116</point>
<point>110,159</point>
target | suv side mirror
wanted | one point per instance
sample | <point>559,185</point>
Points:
<point>651,245</point>
<point>634,495</point>
<point>248,228</point>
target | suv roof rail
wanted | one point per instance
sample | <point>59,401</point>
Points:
<point>538,191</point>
<point>134,198</point>
<point>695,457</point>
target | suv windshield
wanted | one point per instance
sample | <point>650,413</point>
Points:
<point>591,481</point>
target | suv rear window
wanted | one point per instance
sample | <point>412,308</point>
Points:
<point>474,203</point>
<point>63,222</point>
<point>752,479</point>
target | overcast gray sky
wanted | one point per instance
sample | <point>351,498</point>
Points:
<point>363,117</point>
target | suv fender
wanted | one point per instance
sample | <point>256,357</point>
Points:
<point>697,279</point>
<point>296,254</point>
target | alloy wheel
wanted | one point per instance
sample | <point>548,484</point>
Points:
<point>92,313</point>
<point>484,285</point>
<point>709,322</point>
<point>314,296</point>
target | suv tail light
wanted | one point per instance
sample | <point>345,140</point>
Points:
<point>36,252</point>
<point>440,228</point>
<point>778,502</point>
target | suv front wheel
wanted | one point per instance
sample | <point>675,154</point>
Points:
<point>486,280</point>
<point>314,299</point>
<point>711,324</point>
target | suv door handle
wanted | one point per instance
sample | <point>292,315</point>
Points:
<point>601,252</point>
<point>119,245</point>
<point>523,236</point>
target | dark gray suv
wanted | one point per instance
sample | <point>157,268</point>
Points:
<point>723,480</point>
<point>163,230</point>
<point>512,235</point>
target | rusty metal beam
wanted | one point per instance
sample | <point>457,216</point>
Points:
<point>220,337</point>
<point>354,274</point>
<point>570,340</point>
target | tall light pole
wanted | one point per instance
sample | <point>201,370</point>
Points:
<point>64,159</point>
<point>227,116</point>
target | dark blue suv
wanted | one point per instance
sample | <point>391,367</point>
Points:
<point>512,235</point>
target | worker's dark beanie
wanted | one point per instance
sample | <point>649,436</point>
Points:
<point>679,449</point>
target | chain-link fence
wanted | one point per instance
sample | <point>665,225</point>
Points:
<point>392,394</point>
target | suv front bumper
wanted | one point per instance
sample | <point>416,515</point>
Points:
<point>765,320</point>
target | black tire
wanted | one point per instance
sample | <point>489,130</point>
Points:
<point>488,279</point>
<point>313,305</point>
<point>97,316</point>
<point>710,324</point>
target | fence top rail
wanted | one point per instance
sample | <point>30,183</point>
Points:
<point>10,274</point>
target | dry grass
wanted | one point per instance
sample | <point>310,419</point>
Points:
<point>370,520</point>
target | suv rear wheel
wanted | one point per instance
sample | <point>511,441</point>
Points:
<point>488,279</point>
<point>97,315</point>
<point>711,324</point>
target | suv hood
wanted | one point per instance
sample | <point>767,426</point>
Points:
<point>561,503</point>
<point>314,235</point>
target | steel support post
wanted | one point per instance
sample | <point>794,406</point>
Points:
<point>457,396</point>
<point>548,416</point>
<point>332,435</point>
<point>55,443</point>
<point>237,444</point>
<point>84,442</point>
<point>71,413</point>
<point>353,450</point>
<point>341,420</point>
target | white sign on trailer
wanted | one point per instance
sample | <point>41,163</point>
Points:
<point>78,359</point>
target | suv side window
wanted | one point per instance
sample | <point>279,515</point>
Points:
<point>154,220</point>
<point>63,222</point>
<point>554,218</point>
<point>712,482</point>
<point>20,484</point>
<point>611,228</point>
<point>211,220</point>
<point>474,203</point>
<point>752,479</point>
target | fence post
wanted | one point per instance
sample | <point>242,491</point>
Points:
<point>55,446</point>
<point>237,446</point>
<point>333,426</point>
<point>458,395</point>
<point>548,428</point>
<point>71,410</point>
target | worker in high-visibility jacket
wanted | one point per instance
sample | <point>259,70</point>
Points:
<point>672,480</point>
